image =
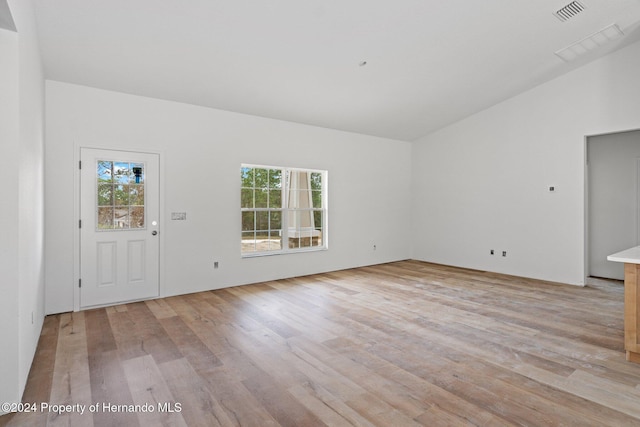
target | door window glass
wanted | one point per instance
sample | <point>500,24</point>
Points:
<point>120,195</point>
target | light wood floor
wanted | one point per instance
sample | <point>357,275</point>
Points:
<point>400,344</point>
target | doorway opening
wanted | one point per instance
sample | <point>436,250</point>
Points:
<point>612,200</point>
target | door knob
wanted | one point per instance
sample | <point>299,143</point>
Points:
<point>154,232</point>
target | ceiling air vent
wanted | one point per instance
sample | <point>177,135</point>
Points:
<point>569,11</point>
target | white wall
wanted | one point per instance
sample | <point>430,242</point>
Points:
<point>22,213</point>
<point>9,152</point>
<point>31,197</point>
<point>202,149</point>
<point>482,182</point>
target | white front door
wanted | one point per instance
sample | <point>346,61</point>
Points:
<point>119,214</point>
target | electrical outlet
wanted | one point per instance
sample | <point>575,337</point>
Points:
<point>504,253</point>
<point>374,247</point>
<point>215,264</point>
<point>492,252</point>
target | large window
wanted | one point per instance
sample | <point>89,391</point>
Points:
<point>283,210</point>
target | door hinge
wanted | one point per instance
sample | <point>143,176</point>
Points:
<point>79,164</point>
<point>79,283</point>
<point>79,223</point>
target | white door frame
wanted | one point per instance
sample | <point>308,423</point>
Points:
<point>76,215</point>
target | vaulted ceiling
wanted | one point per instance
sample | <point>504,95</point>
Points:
<point>429,63</point>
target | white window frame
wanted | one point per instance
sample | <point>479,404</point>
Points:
<point>284,209</point>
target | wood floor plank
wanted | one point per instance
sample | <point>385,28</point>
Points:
<point>198,406</point>
<point>332,411</point>
<point>392,393</point>
<point>404,344</point>
<point>109,387</point>
<point>71,377</point>
<point>214,328</point>
<point>99,332</point>
<point>284,408</point>
<point>153,339</point>
<point>192,348</point>
<point>221,337</point>
<point>150,391</point>
<point>129,342</point>
<point>160,308</point>
<point>279,327</point>
<point>42,374</point>
<point>237,402</point>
